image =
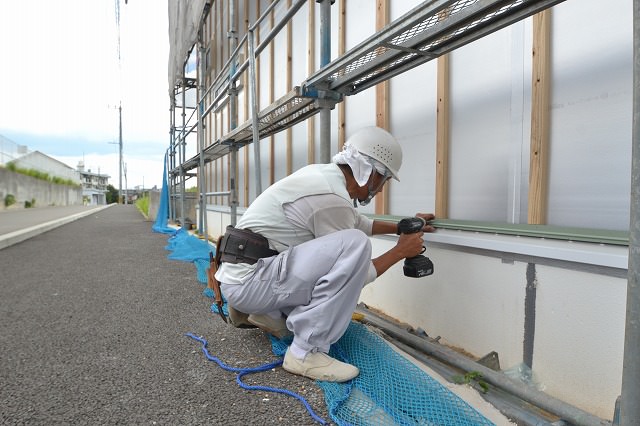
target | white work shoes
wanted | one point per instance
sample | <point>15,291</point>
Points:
<point>319,366</point>
<point>276,327</point>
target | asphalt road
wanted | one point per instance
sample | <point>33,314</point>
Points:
<point>93,319</point>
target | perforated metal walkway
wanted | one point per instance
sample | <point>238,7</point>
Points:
<point>426,32</point>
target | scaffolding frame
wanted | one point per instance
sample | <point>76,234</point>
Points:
<point>427,32</point>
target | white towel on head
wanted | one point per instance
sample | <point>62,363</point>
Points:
<point>361,165</point>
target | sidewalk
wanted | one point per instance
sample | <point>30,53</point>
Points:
<point>17,225</point>
<point>93,328</point>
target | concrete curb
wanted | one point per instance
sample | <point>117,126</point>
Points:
<point>15,237</point>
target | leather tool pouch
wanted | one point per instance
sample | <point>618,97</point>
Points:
<point>236,246</point>
<point>243,246</point>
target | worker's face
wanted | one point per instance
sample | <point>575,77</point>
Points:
<point>374,185</point>
<point>379,181</point>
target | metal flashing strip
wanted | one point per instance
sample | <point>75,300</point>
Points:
<point>571,251</point>
<point>601,236</point>
<point>586,246</point>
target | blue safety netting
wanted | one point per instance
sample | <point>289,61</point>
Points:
<point>390,389</point>
<point>162,217</point>
<point>182,245</point>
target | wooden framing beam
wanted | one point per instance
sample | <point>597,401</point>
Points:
<point>539,160</point>
<point>382,104</point>
<point>442,139</point>
<point>289,86</point>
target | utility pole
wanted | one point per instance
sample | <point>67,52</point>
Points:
<point>126,195</point>
<point>120,143</point>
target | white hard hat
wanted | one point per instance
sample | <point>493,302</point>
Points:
<point>380,145</point>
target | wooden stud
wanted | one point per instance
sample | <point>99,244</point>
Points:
<point>442,139</point>
<point>289,86</point>
<point>382,104</point>
<point>539,161</point>
<point>271,99</point>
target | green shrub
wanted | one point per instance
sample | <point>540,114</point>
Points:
<point>41,175</point>
<point>9,199</point>
<point>29,204</point>
<point>143,205</point>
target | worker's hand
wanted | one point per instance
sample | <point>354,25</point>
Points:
<point>428,217</point>
<point>410,245</point>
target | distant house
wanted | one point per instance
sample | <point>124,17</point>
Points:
<point>94,186</point>
<point>35,160</point>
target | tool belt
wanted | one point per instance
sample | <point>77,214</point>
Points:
<point>243,246</point>
<point>235,246</point>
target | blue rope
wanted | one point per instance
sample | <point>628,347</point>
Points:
<point>244,371</point>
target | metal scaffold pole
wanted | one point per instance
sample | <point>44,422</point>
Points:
<point>182,148</point>
<point>325,58</point>
<point>630,397</point>
<point>254,111</point>
<point>233,114</point>
<point>202,225</point>
<point>120,146</point>
<point>169,159</point>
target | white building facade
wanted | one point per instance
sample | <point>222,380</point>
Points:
<point>94,186</point>
<point>531,256</point>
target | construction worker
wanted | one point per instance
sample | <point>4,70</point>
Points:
<point>311,255</point>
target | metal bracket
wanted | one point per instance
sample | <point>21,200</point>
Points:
<point>321,93</point>
<point>232,143</point>
<point>490,360</point>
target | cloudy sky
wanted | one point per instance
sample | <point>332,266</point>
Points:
<point>63,83</point>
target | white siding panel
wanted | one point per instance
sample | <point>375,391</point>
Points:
<point>590,166</point>
<point>480,128</point>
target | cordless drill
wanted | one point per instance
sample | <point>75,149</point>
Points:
<point>420,265</point>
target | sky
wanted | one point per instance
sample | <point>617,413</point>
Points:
<point>63,83</point>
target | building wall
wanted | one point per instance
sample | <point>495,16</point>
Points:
<point>25,188</point>
<point>41,162</point>
<point>476,300</point>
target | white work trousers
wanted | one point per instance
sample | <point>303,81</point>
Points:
<point>315,284</point>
